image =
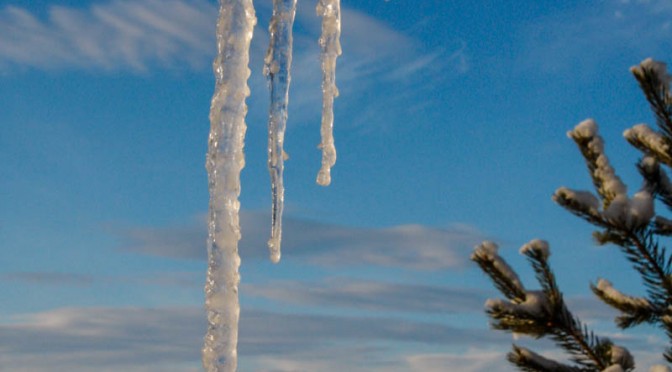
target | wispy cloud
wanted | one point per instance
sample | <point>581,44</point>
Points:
<point>115,35</point>
<point>47,278</point>
<point>169,339</point>
<point>580,38</point>
<point>125,34</point>
<point>77,339</point>
<point>408,246</point>
<point>372,296</point>
<point>471,361</point>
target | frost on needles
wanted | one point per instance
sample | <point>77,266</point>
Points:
<point>628,222</point>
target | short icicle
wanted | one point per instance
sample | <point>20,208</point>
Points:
<point>277,68</point>
<point>224,161</point>
<point>330,11</point>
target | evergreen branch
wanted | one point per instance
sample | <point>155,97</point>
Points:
<point>654,81</point>
<point>502,275</point>
<point>656,180</point>
<point>580,203</point>
<point>537,253</point>
<point>663,227</point>
<point>668,355</point>
<point>585,347</point>
<point>607,184</point>
<point>544,313</point>
<point>649,142</point>
<point>527,360</point>
<point>649,260</point>
<point>635,310</point>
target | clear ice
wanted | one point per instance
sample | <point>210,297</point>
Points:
<point>330,11</point>
<point>224,161</point>
<point>277,67</point>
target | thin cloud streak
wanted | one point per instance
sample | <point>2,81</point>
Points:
<point>372,296</point>
<point>150,339</point>
<point>169,339</point>
<point>580,39</point>
<point>412,247</point>
<point>112,36</point>
<point>47,278</point>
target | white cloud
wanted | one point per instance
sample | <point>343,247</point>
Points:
<point>408,246</point>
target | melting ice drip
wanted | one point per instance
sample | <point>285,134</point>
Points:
<point>225,158</point>
<point>277,68</point>
<point>330,10</point>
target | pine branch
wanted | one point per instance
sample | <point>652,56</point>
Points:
<point>580,203</point>
<point>607,184</point>
<point>649,142</point>
<point>501,274</point>
<point>527,360</point>
<point>654,81</point>
<point>656,179</point>
<point>585,347</point>
<point>544,313</point>
<point>648,259</point>
<point>635,310</point>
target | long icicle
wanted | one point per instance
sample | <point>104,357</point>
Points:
<point>277,68</point>
<point>330,11</point>
<point>224,161</point>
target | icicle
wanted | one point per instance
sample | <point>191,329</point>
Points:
<point>330,11</point>
<point>224,162</point>
<point>277,68</point>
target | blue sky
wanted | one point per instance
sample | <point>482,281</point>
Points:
<point>450,129</point>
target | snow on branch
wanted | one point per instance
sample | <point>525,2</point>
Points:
<point>610,295</point>
<point>649,142</point>
<point>654,80</point>
<point>505,279</point>
<point>527,359</point>
<point>656,179</point>
<point>591,144</point>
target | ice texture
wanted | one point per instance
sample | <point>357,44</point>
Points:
<point>330,11</point>
<point>277,68</point>
<point>224,161</point>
